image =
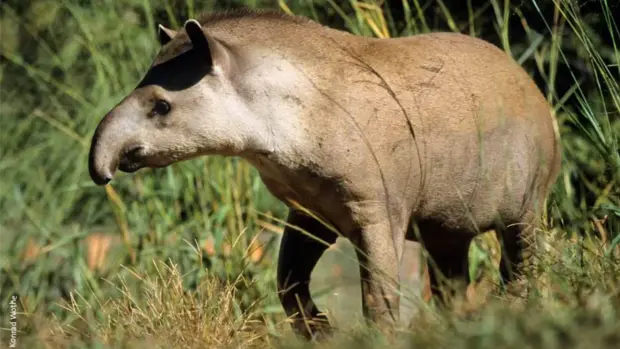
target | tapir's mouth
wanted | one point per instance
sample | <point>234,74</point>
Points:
<point>130,167</point>
<point>136,158</point>
<point>132,159</point>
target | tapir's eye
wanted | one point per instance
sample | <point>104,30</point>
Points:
<point>161,107</point>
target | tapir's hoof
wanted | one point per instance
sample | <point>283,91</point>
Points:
<point>315,329</point>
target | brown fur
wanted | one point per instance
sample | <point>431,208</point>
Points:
<point>441,130</point>
<point>244,14</point>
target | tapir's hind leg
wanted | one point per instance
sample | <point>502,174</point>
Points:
<point>448,262</point>
<point>516,241</point>
<point>299,253</point>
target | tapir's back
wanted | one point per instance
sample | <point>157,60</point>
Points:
<point>458,129</point>
<point>483,129</point>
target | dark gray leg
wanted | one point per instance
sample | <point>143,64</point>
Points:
<point>515,240</point>
<point>299,253</point>
<point>448,254</point>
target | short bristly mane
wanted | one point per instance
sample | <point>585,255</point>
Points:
<point>247,13</point>
<point>209,20</point>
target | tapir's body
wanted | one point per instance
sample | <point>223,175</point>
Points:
<point>444,130</point>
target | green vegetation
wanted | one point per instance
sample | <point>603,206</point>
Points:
<point>168,258</point>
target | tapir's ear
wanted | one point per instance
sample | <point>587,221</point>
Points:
<point>164,34</point>
<point>214,52</point>
<point>196,35</point>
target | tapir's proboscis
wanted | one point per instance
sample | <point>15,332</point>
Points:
<point>439,131</point>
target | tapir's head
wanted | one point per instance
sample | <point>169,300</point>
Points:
<point>184,107</point>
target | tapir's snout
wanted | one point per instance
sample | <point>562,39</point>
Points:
<point>119,144</point>
<point>99,176</point>
<point>112,148</point>
<point>102,165</point>
<point>102,161</point>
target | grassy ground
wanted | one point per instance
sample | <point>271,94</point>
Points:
<point>184,256</point>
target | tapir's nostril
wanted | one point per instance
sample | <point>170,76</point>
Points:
<point>106,179</point>
<point>99,175</point>
<point>102,178</point>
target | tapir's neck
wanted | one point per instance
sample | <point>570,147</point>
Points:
<point>284,85</point>
<point>280,98</point>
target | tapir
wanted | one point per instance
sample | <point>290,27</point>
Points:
<point>433,138</point>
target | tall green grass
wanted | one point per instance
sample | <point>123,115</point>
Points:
<point>51,104</point>
<point>65,64</point>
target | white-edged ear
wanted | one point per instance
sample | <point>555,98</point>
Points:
<point>164,34</point>
<point>213,52</point>
<point>196,35</point>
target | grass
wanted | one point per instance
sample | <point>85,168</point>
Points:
<point>170,257</point>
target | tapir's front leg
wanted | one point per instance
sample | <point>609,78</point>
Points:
<point>299,253</point>
<point>379,274</point>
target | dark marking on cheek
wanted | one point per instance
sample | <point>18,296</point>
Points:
<point>294,99</point>
<point>163,121</point>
